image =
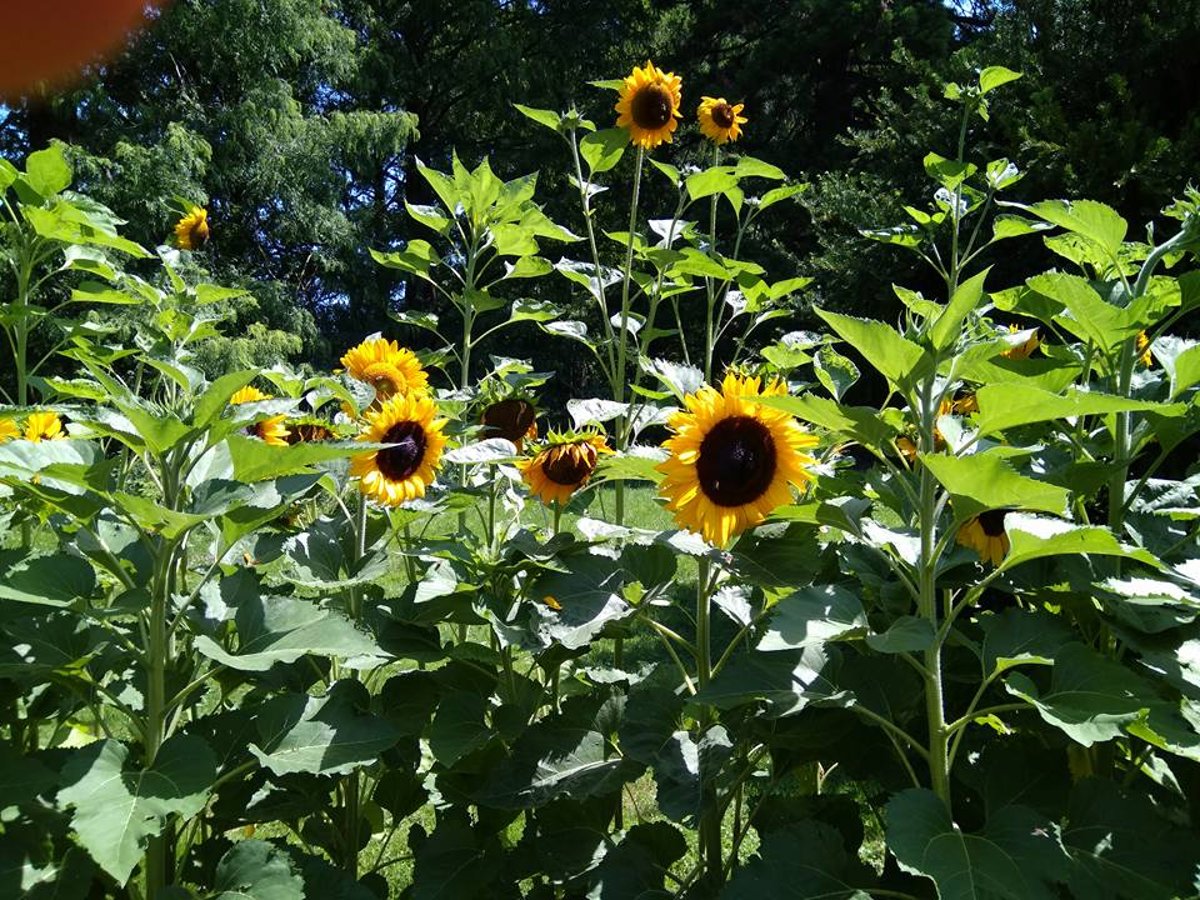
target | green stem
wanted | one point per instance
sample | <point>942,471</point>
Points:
<point>709,283</point>
<point>935,710</point>
<point>710,817</point>
<point>623,337</point>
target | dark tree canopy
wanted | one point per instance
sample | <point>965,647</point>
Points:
<point>299,123</point>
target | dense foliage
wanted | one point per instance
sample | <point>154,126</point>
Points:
<point>300,125</point>
<point>273,633</point>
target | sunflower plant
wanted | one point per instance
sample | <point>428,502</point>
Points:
<point>675,258</point>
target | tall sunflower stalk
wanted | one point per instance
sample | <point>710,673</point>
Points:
<point>733,460</point>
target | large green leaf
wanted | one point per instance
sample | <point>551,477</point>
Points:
<point>1034,537</point>
<point>896,358</point>
<point>455,862</point>
<point>321,735</point>
<point>256,870</point>
<point>948,327</point>
<point>813,616</point>
<point>274,630</point>
<point>55,579</point>
<point>1122,848</point>
<point>602,150</point>
<point>801,862</point>
<point>1087,316</point>
<point>459,726</point>
<point>1004,406</point>
<point>1094,221</point>
<point>859,423</point>
<point>636,867</point>
<point>784,682</point>
<point>1091,698</point>
<point>118,808</point>
<point>553,760</point>
<point>988,481</point>
<point>1017,855</point>
<point>685,770</point>
<point>589,596</point>
<point>1017,637</point>
<point>48,171</point>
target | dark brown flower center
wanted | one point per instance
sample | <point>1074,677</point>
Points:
<point>509,419</point>
<point>722,115</point>
<point>651,107</point>
<point>992,522</point>
<point>737,461</point>
<point>399,462</point>
<point>570,464</point>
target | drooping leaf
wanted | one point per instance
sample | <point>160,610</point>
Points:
<point>553,760</point>
<point>1122,848</point>
<point>118,808</point>
<point>256,870</point>
<point>798,862</point>
<point>321,735</point>
<point>1017,854</point>
<point>281,629</point>
<point>455,862</point>
<point>813,616</point>
<point>1091,697</point>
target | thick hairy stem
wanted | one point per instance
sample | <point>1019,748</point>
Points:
<point>935,708</point>
<point>623,337</point>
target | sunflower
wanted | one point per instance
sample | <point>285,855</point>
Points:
<point>720,122</point>
<point>192,232</point>
<point>44,426</point>
<point>309,431</point>
<point>732,459</point>
<point>1143,349</point>
<point>1023,350</point>
<point>908,447</point>
<point>9,430</point>
<point>270,430</point>
<point>985,535</point>
<point>649,105</point>
<point>404,470</point>
<point>966,404</point>
<point>563,467</point>
<point>514,419</point>
<point>387,367</point>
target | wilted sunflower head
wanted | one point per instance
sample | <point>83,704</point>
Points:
<point>563,466</point>
<point>1025,349</point>
<point>44,426</point>
<point>404,469</point>
<point>192,232</point>
<point>513,419</point>
<point>732,458</point>
<point>389,368</point>
<point>649,105</point>
<point>985,535</point>
<point>9,430</point>
<point>720,121</point>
